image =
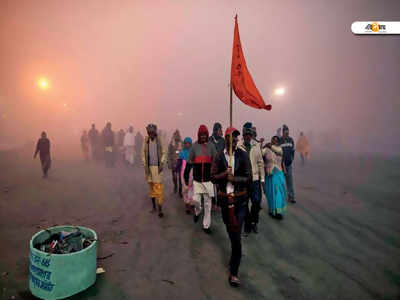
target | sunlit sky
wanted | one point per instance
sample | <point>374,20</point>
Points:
<point>67,64</point>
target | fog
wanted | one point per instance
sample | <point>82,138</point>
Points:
<point>168,62</point>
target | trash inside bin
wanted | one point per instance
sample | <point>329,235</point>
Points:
<point>62,261</point>
<point>64,242</point>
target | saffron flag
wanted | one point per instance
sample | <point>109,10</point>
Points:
<point>241,81</point>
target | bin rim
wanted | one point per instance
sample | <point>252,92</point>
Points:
<point>67,254</point>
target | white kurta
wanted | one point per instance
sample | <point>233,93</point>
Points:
<point>129,144</point>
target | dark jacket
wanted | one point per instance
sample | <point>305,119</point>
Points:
<point>200,159</point>
<point>242,175</point>
<point>219,142</point>
<point>108,138</point>
<point>287,145</point>
<point>43,146</point>
<point>93,136</point>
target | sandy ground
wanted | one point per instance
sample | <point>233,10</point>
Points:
<point>340,241</point>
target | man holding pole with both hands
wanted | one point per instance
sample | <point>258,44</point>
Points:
<point>232,176</point>
<point>231,171</point>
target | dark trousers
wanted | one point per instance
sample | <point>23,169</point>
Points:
<point>109,159</point>
<point>289,182</point>
<point>235,237</point>
<point>255,199</point>
<point>93,150</point>
<point>176,180</point>
<point>303,159</point>
<point>46,163</point>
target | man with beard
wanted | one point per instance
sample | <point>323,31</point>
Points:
<point>233,177</point>
<point>43,148</point>
<point>200,158</point>
<point>153,158</point>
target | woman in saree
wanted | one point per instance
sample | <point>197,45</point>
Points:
<point>274,188</point>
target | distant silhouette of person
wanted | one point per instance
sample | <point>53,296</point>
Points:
<point>174,147</point>
<point>288,148</point>
<point>279,132</point>
<point>303,147</point>
<point>108,143</point>
<point>43,148</point>
<point>119,144</point>
<point>139,139</point>
<point>129,146</point>
<point>94,142</point>
<point>85,145</point>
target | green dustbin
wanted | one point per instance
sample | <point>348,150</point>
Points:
<point>57,276</point>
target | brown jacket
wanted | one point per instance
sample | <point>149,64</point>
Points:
<point>162,156</point>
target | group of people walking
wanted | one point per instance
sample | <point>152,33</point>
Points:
<point>111,147</point>
<point>206,174</point>
<point>221,171</point>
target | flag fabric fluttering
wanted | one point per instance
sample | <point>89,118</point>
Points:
<point>241,81</point>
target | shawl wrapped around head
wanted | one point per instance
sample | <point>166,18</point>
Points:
<point>184,154</point>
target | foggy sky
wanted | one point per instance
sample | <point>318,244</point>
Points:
<point>136,62</point>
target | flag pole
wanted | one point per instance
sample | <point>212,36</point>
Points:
<point>230,124</point>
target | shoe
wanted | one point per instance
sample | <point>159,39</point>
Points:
<point>279,216</point>
<point>160,214</point>
<point>195,218</point>
<point>188,212</point>
<point>207,230</point>
<point>292,200</point>
<point>234,281</point>
<point>271,215</point>
<point>255,228</point>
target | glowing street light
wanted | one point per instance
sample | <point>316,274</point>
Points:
<point>43,83</point>
<point>280,91</point>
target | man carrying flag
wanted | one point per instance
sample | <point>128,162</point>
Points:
<point>232,168</point>
<point>233,187</point>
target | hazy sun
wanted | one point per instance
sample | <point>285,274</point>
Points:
<point>279,91</point>
<point>43,83</point>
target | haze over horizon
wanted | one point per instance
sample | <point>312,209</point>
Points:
<point>168,62</point>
